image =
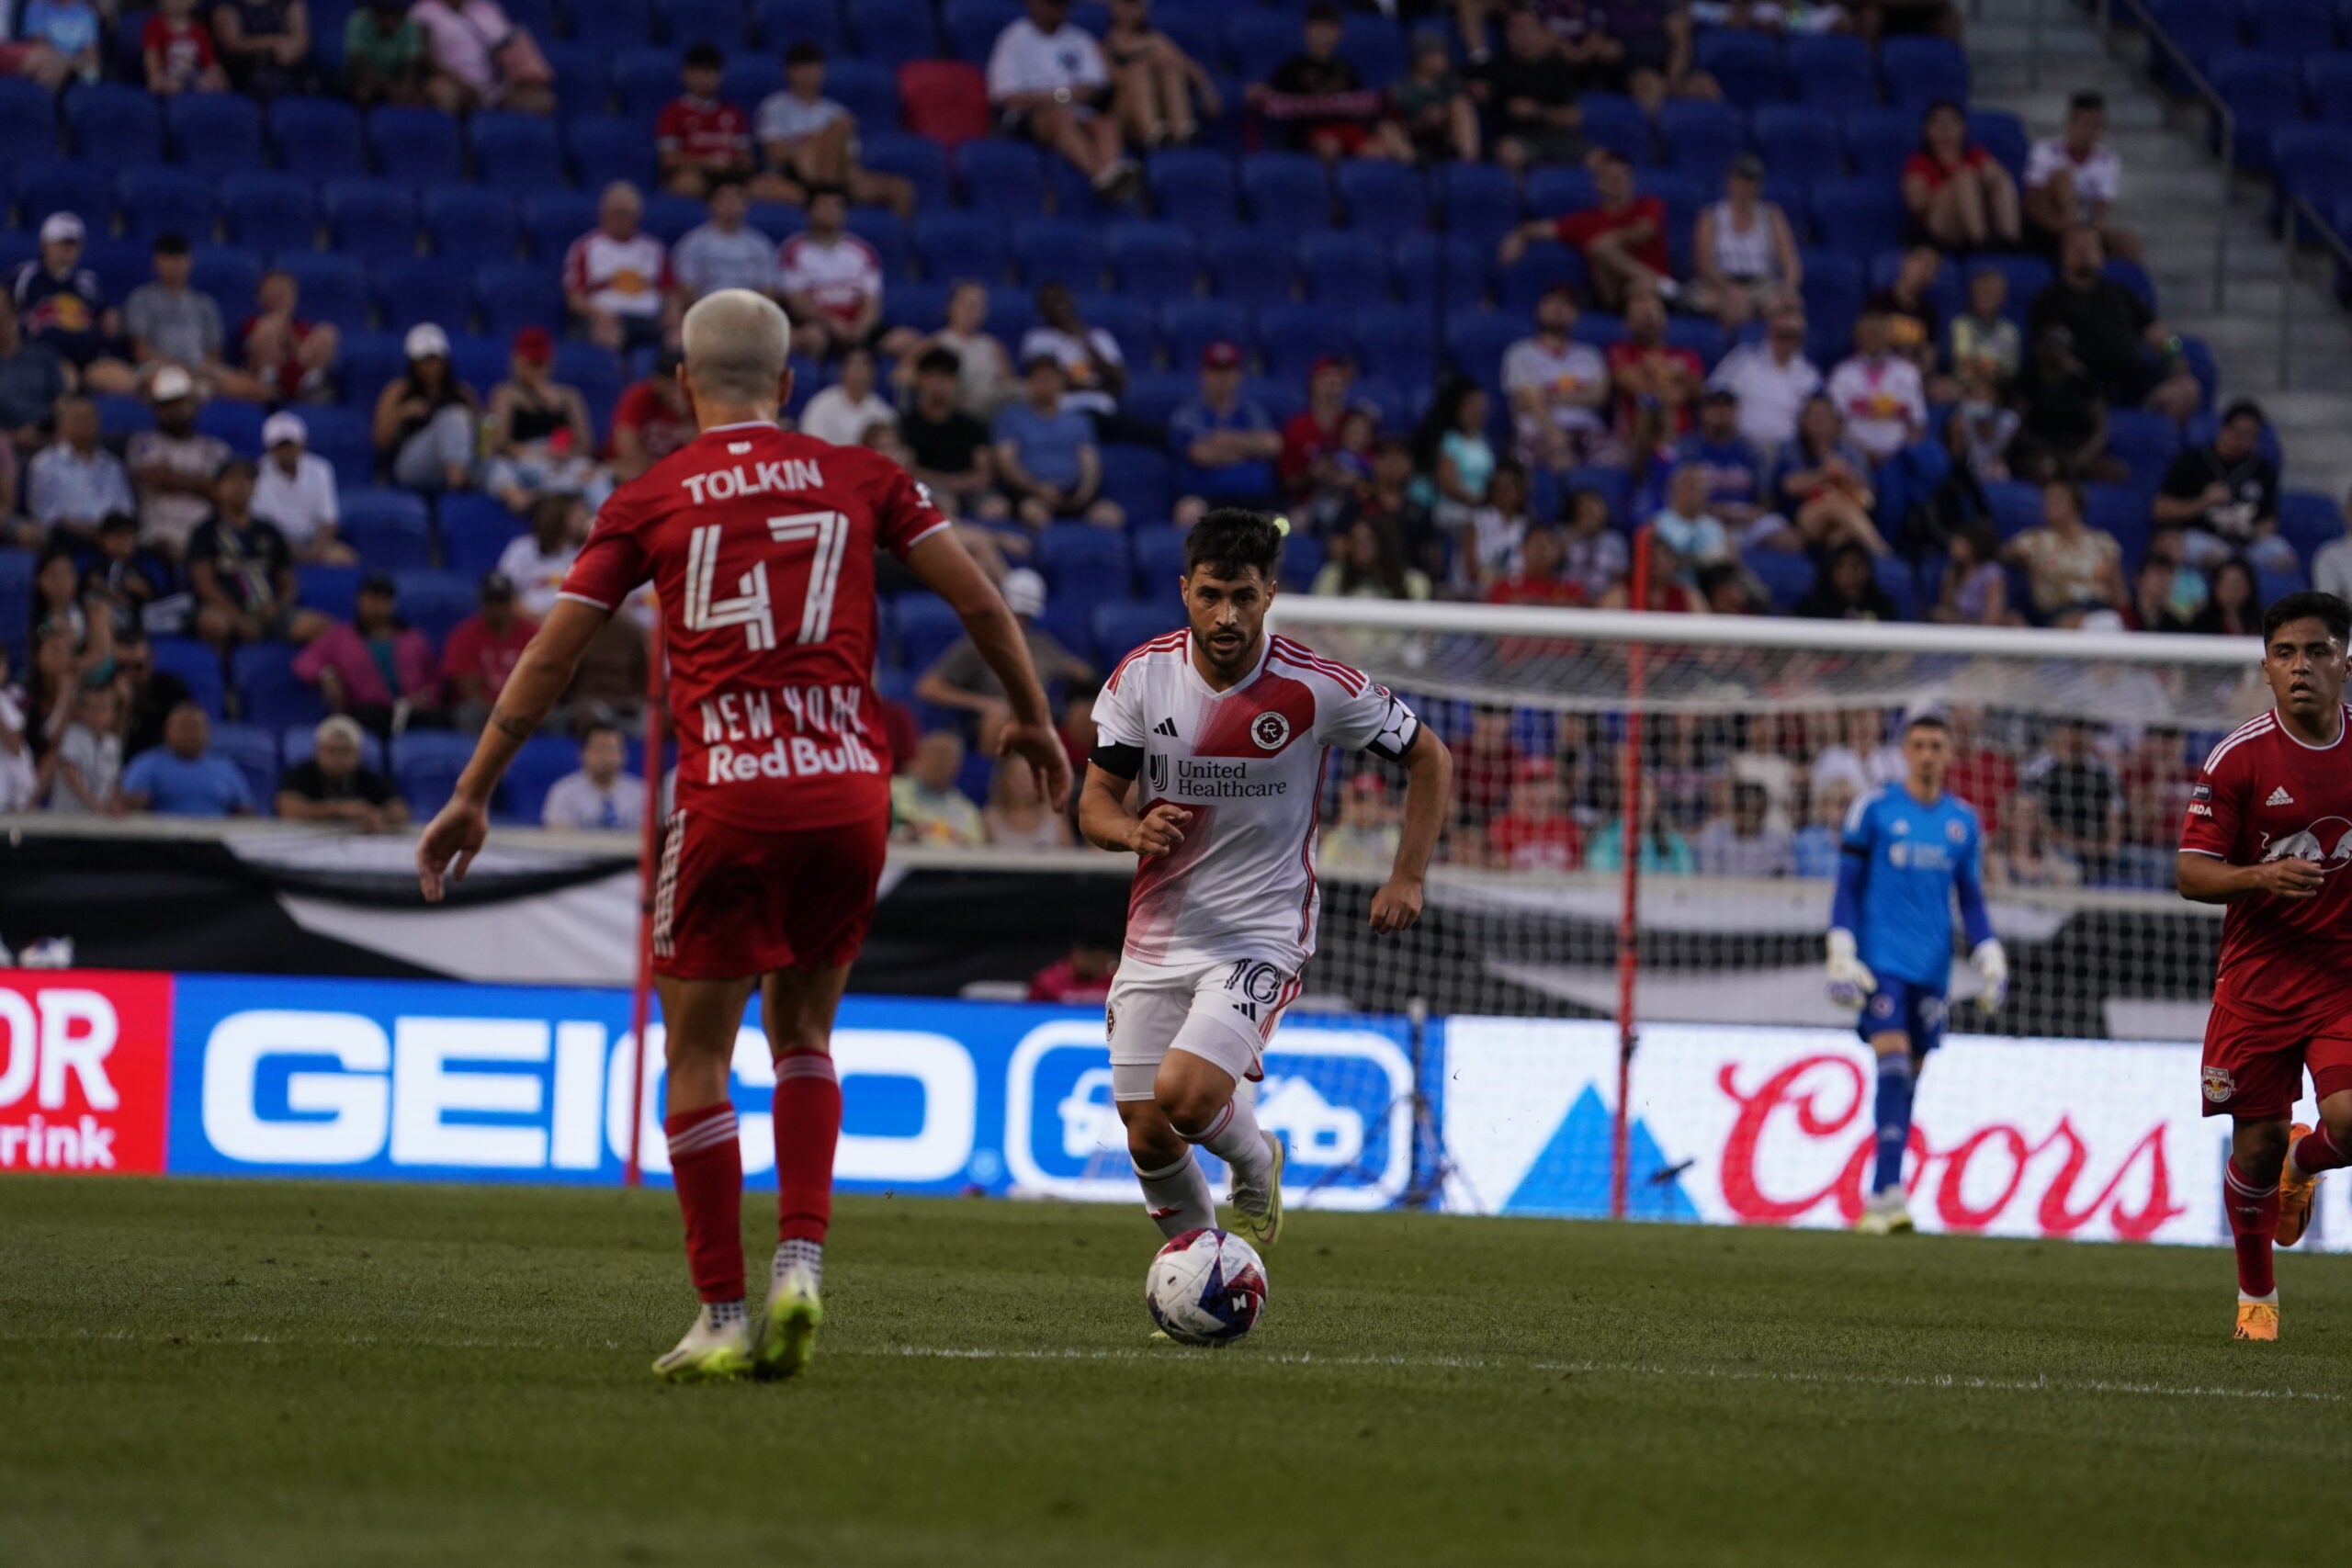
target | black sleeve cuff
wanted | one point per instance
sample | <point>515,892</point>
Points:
<point>1119,762</point>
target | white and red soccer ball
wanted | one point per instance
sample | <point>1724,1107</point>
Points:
<point>1206,1287</point>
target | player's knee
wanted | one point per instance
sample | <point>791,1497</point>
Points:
<point>1190,1107</point>
<point>2259,1144</point>
<point>800,1043</point>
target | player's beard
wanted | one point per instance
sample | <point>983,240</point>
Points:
<point>1233,660</point>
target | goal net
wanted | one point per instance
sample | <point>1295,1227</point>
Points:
<point>1672,971</point>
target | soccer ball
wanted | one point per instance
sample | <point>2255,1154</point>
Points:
<point>1206,1287</point>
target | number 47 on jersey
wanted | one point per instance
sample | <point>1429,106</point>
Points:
<point>752,606</point>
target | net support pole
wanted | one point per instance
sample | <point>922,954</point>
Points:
<point>649,859</point>
<point>1629,841</point>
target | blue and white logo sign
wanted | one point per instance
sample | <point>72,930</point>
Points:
<point>1339,1096</point>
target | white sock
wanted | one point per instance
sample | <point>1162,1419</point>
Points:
<point>724,1315</point>
<point>791,1254</point>
<point>2270,1300</point>
<point>1233,1136</point>
<point>1177,1197</point>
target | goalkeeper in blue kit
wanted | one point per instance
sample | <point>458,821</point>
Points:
<point>1907,849</point>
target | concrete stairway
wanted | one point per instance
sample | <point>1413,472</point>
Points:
<point>2173,196</point>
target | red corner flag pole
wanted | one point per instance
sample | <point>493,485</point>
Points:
<point>649,858</point>
<point>1629,804</point>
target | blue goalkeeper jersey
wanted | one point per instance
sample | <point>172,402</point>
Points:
<point>1901,864</point>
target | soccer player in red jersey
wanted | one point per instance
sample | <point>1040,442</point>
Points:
<point>760,547</point>
<point>2268,832</point>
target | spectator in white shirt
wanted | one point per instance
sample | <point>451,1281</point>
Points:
<point>2073,180</point>
<point>831,280</point>
<point>1771,379</point>
<point>841,412</point>
<point>808,140</point>
<point>724,252</point>
<point>1089,357</point>
<point>1557,387</point>
<point>1880,392</point>
<point>600,795</point>
<point>536,562</point>
<point>295,492</point>
<point>88,763</point>
<point>2331,563</point>
<point>616,276</point>
<point>1047,79</point>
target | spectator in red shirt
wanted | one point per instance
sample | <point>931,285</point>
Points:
<point>293,357</point>
<point>1535,833</point>
<point>1313,433</point>
<point>1082,978</point>
<point>1960,197</point>
<point>481,652</point>
<point>1622,241</point>
<point>177,49</point>
<point>1536,579</point>
<point>651,421</point>
<point>1657,384</point>
<point>1484,766</point>
<point>701,139</point>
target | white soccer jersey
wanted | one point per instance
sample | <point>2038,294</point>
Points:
<point>1248,764</point>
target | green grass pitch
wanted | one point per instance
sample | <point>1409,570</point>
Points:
<point>198,1372</point>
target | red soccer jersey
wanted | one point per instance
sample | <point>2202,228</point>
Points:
<point>660,430</point>
<point>1578,229</point>
<point>760,545</point>
<point>706,132</point>
<point>185,48</point>
<point>2264,795</point>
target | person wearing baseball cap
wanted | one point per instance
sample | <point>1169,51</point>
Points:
<point>1225,443</point>
<point>170,323</point>
<point>172,466</point>
<point>530,411</point>
<point>425,418</point>
<point>295,492</point>
<point>483,651</point>
<point>61,306</point>
<point>960,678</point>
<point>1314,431</point>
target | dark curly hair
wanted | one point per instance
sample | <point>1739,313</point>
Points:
<point>1230,540</point>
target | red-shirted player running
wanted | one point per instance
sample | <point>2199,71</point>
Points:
<point>761,545</point>
<point>2269,833</point>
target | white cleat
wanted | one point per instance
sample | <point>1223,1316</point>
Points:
<point>1258,1211</point>
<point>711,1352</point>
<point>1884,1215</point>
<point>794,1314</point>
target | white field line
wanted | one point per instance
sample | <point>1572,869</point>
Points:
<point>1169,1355</point>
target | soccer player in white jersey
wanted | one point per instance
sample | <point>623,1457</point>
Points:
<point>1220,735</point>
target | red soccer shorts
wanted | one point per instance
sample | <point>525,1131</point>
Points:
<point>2253,1067</point>
<point>731,903</point>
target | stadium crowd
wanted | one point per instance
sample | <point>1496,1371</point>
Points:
<point>326,328</point>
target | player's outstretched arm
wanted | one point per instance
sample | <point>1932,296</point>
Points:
<point>540,676</point>
<point>1429,787</point>
<point>943,565</point>
<point>2208,879</point>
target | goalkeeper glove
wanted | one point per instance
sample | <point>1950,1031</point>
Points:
<point>1850,983</point>
<point>1993,968</point>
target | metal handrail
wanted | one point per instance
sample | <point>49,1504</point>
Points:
<point>2143,20</point>
<point>2289,207</point>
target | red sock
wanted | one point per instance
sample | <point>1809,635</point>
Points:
<point>808,1126</point>
<point>2254,1216</point>
<point>2317,1150</point>
<point>706,1164</point>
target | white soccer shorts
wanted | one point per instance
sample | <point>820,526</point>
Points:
<point>1225,1013</point>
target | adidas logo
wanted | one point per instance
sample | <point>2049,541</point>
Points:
<point>2280,797</point>
<point>1165,727</point>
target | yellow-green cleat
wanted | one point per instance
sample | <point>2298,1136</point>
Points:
<point>794,1314</point>
<point>1264,1227</point>
<point>711,1351</point>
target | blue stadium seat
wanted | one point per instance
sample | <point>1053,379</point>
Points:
<point>335,289</point>
<point>255,752</point>
<point>2248,81</point>
<point>927,628</point>
<point>780,24</point>
<point>719,23</point>
<point>1833,297</point>
<point>612,24</point>
<point>114,122</point>
<point>434,602</point>
<point>475,530</point>
<point>1834,71</point>
<point>1397,344</point>
<point>1159,561</point>
<point>1542,268</point>
<point>238,424</point>
<point>1920,70</point>
<point>2327,87</point>
<point>1701,138</point>
<point>1194,187</point>
<point>1481,201</point>
<point>1375,45</point>
<point>584,74</point>
<point>595,370</point>
<point>271,696</point>
<point>374,219</point>
<point>972,26</point>
<point>1341,270</point>
<point>542,760</point>
<point>479,360</point>
<point>921,304</point>
<point>418,146</point>
<point>425,765</point>
<point>1002,179</point>
<point>341,435</point>
<point>960,244</point>
<point>331,589</point>
<point>916,159</point>
<point>122,416</point>
<point>516,151</point>
<point>27,118</point>
<point>159,200</point>
<point>2308,519</point>
<point>2003,135</point>
<point>1259,41</point>
<point>422,289</point>
<point>1083,564</point>
<point>1475,344</point>
<point>604,150</point>
<point>366,363</point>
<point>2145,441</point>
<point>514,295</point>
<point>749,79</point>
<point>390,528</point>
<point>553,219</point>
<point>1556,190</point>
<point>217,132</point>
<point>1286,188</point>
<point>883,229</point>
<point>230,275</point>
<point>2301,27</point>
<point>1746,65</point>
<point>539,15</point>
<point>269,211</point>
<point>1152,261</point>
<point>2016,506</point>
<point>66,184</point>
<point>1433,266</point>
<point>1616,121</point>
<point>1138,478</point>
<point>198,664</point>
<point>868,89</point>
<point>1859,217</point>
<point>1058,249</point>
<point>645,77</point>
<point>1154,395</point>
<point>469,225</point>
<point>2202,28</point>
<point>1133,324</point>
<point>1786,576</point>
<point>1251,267</point>
<point>1121,628</point>
<point>1381,198</point>
<point>1799,141</point>
<point>321,138</point>
<point>1878,141</point>
<point>1195,29</point>
<point>121,264</point>
<point>891,32</point>
<point>2315,163</point>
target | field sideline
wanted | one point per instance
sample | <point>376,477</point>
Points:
<point>263,1374</point>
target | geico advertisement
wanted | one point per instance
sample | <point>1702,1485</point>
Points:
<point>2097,1140</point>
<point>85,1064</point>
<point>433,1080</point>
